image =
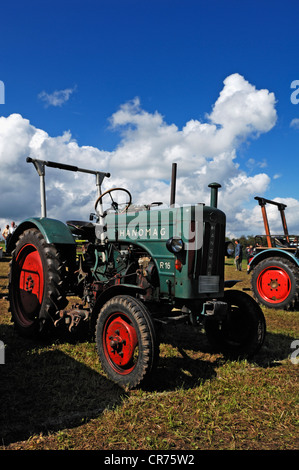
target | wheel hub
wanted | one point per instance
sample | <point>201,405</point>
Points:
<point>274,284</point>
<point>29,284</point>
<point>121,341</point>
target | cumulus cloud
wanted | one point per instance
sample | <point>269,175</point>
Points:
<point>67,193</point>
<point>243,110</point>
<point>294,123</point>
<point>205,151</point>
<point>240,112</point>
<point>57,98</point>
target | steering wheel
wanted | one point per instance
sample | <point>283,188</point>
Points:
<point>114,204</point>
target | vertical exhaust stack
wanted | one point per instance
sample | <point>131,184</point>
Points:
<point>214,194</point>
<point>173,184</point>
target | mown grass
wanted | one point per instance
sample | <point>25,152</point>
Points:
<point>54,395</point>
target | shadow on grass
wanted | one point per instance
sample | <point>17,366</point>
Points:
<point>46,390</point>
<point>197,362</point>
<point>277,348</point>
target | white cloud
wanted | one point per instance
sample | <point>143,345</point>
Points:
<point>205,152</point>
<point>57,98</point>
<point>149,142</point>
<point>295,123</point>
<point>67,192</point>
<point>242,110</point>
<point>252,163</point>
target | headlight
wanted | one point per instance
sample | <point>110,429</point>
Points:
<point>229,248</point>
<point>175,245</point>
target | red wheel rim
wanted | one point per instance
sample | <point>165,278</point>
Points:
<point>274,284</point>
<point>30,283</point>
<point>120,343</point>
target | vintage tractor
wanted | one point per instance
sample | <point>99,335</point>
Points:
<point>275,265</point>
<point>134,269</point>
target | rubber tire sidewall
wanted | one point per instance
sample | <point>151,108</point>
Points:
<point>147,341</point>
<point>287,266</point>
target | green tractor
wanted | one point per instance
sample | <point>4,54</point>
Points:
<point>134,270</point>
<point>275,264</point>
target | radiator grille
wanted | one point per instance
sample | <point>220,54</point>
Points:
<point>210,258</point>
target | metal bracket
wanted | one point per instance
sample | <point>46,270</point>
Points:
<point>40,168</point>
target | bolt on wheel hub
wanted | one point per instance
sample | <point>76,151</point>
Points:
<point>121,341</point>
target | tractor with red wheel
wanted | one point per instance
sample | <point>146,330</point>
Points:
<point>275,264</point>
<point>134,270</point>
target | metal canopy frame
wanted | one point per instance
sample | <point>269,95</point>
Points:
<point>40,168</point>
<point>281,207</point>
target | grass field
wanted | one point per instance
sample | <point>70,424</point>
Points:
<point>55,395</point>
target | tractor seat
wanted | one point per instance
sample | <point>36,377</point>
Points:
<point>79,227</point>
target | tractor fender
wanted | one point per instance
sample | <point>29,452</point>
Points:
<point>54,231</point>
<point>107,294</point>
<point>269,253</point>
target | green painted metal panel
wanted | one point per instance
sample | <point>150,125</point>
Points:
<point>156,225</point>
<point>54,231</point>
<point>150,230</point>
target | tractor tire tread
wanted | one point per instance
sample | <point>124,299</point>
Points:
<point>55,277</point>
<point>150,349</point>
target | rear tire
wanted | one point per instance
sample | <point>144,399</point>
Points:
<point>242,332</point>
<point>36,291</point>
<point>275,283</point>
<point>126,341</point>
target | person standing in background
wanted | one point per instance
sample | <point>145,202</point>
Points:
<point>238,255</point>
<point>5,234</point>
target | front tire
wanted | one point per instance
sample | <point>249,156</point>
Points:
<point>241,332</point>
<point>275,283</point>
<point>126,341</point>
<point>35,284</point>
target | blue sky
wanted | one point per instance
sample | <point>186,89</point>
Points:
<point>173,56</point>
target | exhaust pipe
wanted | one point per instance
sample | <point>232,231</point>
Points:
<point>173,184</point>
<point>214,194</point>
<point>214,189</point>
